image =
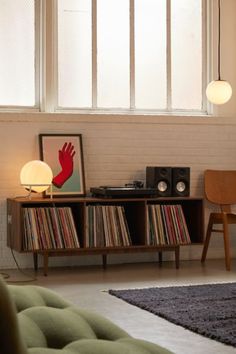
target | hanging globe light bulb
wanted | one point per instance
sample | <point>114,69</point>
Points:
<point>219,91</point>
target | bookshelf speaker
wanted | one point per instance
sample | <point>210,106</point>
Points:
<point>180,181</point>
<point>160,179</point>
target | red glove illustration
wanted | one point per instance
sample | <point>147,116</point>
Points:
<point>65,156</point>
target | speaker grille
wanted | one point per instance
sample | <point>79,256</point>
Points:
<point>180,181</point>
<point>160,179</point>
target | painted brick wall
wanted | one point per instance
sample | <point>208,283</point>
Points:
<point>117,150</point>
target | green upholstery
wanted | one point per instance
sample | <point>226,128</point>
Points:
<point>35,320</point>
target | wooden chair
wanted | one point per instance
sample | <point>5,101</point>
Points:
<point>220,189</point>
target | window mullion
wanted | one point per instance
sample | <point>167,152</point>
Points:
<point>49,57</point>
<point>168,53</point>
<point>38,53</point>
<point>206,23</point>
<point>94,53</point>
<point>132,55</point>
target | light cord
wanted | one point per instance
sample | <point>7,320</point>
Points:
<point>219,25</point>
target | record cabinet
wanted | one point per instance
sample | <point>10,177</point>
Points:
<point>89,225</point>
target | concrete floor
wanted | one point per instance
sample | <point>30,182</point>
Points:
<point>87,286</point>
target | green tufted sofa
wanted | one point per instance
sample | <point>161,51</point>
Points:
<point>35,320</point>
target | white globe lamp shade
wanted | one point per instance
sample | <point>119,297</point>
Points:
<point>36,176</point>
<point>219,92</point>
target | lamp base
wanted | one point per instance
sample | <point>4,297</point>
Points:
<point>29,188</point>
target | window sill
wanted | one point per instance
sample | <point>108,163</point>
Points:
<point>113,118</point>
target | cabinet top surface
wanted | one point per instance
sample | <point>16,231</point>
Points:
<point>26,200</point>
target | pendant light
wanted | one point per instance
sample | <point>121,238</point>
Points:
<point>219,91</point>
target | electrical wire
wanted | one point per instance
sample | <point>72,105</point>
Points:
<point>5,275</point>
<point>219,25</point>
<point>28,277</point>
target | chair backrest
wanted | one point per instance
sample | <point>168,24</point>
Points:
<point>220,187</point>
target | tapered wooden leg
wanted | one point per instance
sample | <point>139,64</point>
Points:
<point>104,261</point>
<point>35,258</point>
<point>207,240</point>
<point>226,242</point>
<point>160,258</point>
<point>45,264</point>
<point>177,257</point>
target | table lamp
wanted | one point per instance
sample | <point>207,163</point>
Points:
<point>36,176</point>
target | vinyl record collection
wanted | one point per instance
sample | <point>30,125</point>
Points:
<point>49,228</point>
<point>106,226</point>
<point>167,225</point>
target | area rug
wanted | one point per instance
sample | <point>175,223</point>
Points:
<point>209,310</point>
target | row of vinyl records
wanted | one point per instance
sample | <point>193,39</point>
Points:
<point>54,228</point>
<point>167,225</point>
<point>49,228</point>
<point>106,226</point>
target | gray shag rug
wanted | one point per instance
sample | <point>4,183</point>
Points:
<point>209,310</point>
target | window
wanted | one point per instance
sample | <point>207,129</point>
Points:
<point>107,55</point>
<point>130,54</point>
<point>18,48</point>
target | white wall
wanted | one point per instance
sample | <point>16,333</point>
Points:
<point>117,149</point>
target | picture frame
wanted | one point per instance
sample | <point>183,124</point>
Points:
<point>64,154</point>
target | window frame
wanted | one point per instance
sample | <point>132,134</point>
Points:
<point>38,62</point>
<point>46,67</point>
<point>132,109</point>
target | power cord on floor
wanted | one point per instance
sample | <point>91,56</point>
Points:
<point>5,275</point>
<point>28,277</point>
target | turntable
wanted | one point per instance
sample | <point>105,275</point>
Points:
<point>122,192</point>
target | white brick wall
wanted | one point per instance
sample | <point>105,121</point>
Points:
<point>117,150</point>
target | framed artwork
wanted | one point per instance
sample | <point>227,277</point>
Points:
<point>64,154</point>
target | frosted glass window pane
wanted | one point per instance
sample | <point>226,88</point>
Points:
<point>74,53</point>
<point>17,48</point>
<point>150,52</point>
<point>113,53</point>
<point>186,58</point>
